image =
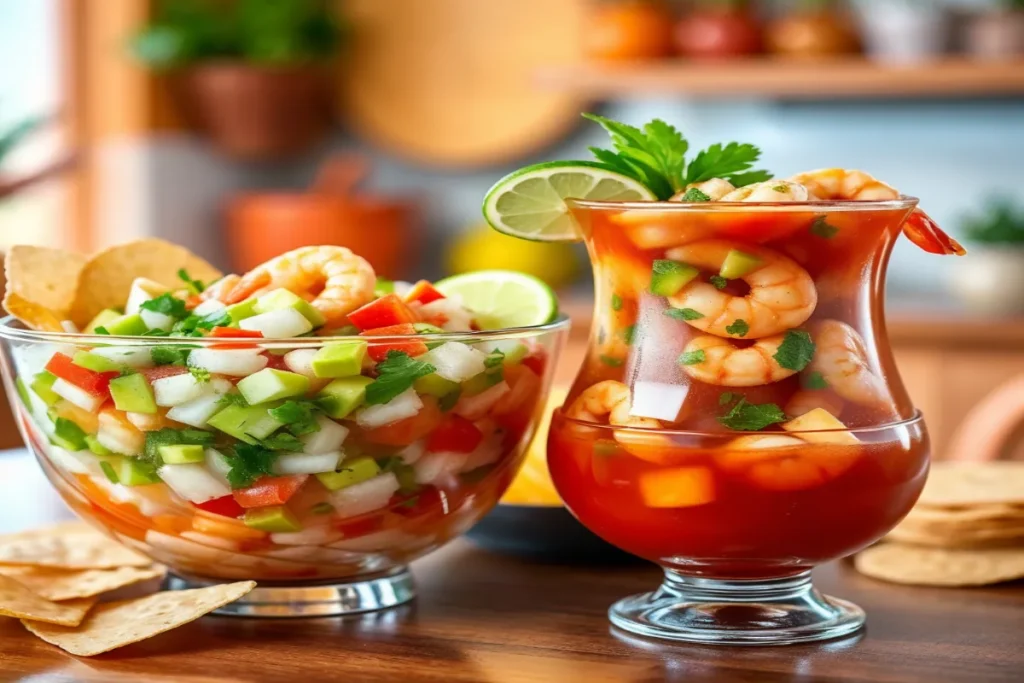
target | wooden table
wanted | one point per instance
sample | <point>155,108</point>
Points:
<point>481,617</point>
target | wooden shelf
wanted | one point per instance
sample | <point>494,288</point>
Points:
<point>790,79</point>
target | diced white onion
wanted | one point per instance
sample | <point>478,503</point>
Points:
<point>218,464</point>
<point>300,361</point>
<point>455,361</point>
<point>330,437</point>
<point>80,397</point>
<point>439,467</point>
<point>658,400</point>
<point>305,463</point>
<point>403,406</point>
<point>231,362</point>
<point>475,407</point>
<point>137,358</point>
<point>178,389</point>
<point>450,313</point>
<point>145,422</point>
<point>142,290</point>
<point>314,535</point>
<point>74,462</point>
<point>413,452</point>
<point>156,321</point>
<point>69,326</point>
<point>193,482</point>
<point>208,307</point>
<point>279,324</point>
<point>365,496</point>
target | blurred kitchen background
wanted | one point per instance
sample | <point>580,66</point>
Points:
<point>241,129</point>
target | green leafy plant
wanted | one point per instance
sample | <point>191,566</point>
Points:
<point>17,133</point>
<point>258,31</point>
<point>1001,223</point>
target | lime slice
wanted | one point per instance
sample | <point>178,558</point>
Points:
<point>530,203</point>
<point>503,298</point>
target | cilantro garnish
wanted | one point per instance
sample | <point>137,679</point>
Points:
<point>191,326</point>
<point>815,381</point>
<point>693,357</point>
<point>194,286</point>
<point>629,334</point>
<point>298,416</point>
<point>739,328</point>
<point>751,417</point>
<point>684,314</point>
<point>282,441</point>
<point>155,332</point>
<point>611,362</point>
<point>718,281</point>
<point>102,330</point>
<point>170,355</point>
<point>174,437</point>
<point>233,399</point>
<point>616,303</point>
<point>656,156</point>
<point>822,228</point>
<point>202,375</point>
<point>695,195</point>
<point>494,358</point>
<point>167,305</point>
<point>796,350</point>
<point>395,374</point>
<point>249,463</point>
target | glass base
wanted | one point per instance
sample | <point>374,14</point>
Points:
<point>773,612</point>
<point>329,599</point>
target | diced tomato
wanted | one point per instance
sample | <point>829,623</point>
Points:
<point>269,491</point>
<point>153,374</point>
<point>423,292</point>
<point>360,526</point>
<point>379,351</point>
<point>234,345</point>
<point>383,312</point>
<point>536,361</point>
<point>192,301</point>
<point>275,362</point>
<point>235,333</point>
<point>456,434</point>
<point>225,506</point>
<point>96,383</point>
<point>404,432</point>
<point>427,500</point>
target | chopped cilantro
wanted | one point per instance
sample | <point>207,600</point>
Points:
<point>194,286</point>
<point>156,332</point>
<point>249,463</point>
<point>796,350</point>
<point>751,417</point>
<point>695,195</point>
<point>822,228</point>
<point>170,355</point>
<point>282,441</point>
<point>174,437</point>
<point>494,359</point>
<point>616,302</point>
<point>815,381</point>
<point>684,314</point>
<point>739,328</point>
<point>629,334</point>
<point>298,416</point>
<point>193,324</point>
<point>202,375</point>
<point>693,357</point>
<point>395,374</point>
<point>611,362</point>
<point>167,305</point>
<point>718,281</point>
<point>102,330</point>
<point>233,399</point>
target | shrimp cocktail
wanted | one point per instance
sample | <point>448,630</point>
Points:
<point>306,425</point>
<point>738,418</point>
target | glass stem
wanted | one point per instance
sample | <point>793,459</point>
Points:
<point>706,590</point>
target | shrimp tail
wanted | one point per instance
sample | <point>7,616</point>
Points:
<point>926,233</point>
<point>247,286</point>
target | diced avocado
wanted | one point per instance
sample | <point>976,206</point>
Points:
<point>340,359</point>
<point>102,319</point>
<point>42,384</point>
<point>110,472</point>
<point>23,392</point>
<point>135,472</point>
<point>351,472</point>
<point>133,394</point>
<point>94,362</point>
<point>181,454</point>
<point>94,445</point>
<point>245,423</point>
<point>68,435</point>
<point>383,286</point>
<point>271,385</point>
<point>127,326</point>
<point>435,385</point>
<point>276,519</point>
<point>241,310</point>
<point>738,263</point>
<point>668,277</point>
<point>342,396</point>
<point>282,298</point>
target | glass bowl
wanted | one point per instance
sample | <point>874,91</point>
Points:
<point>410,473</point>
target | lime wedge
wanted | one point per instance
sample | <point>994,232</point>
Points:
<point>530,203</point>
<point>503,298</point>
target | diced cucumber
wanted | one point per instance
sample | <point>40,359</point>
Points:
<point>341,359</point>
<point>352,471</point>
<point>181,454</point>
<point>668,277</point>
<point>95,446</point>
<point>280,324</point>
<point>42,385</point>
<point>127,326</point>
<point>271,385</point>
<point>283,298</point>
<point>94,362</point>
<point>246,423</point>
<point>275,519</point>
<point>135,472</point>
<point>109,472</point>
<point>435,385</point>
<point>482,382</point>
<point>26,400</point>
<point>738,263</point>
<point>339,398</point>
<point>242,310</point>
<point>68,435</point>
<point>132,393</point>
<point>102,319</point>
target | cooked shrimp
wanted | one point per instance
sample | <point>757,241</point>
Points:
<point>780,462</point>
<point>841,358</point>
<point>718,361</point>
<point>609,399</point>
<point>716,188</point>
<point>782,294</point>
<point>220,289</point>
<point>769,191</point>
<point>806,400</point>
<point>333,279</point>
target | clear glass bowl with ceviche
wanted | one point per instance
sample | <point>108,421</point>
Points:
<point>306,425</point>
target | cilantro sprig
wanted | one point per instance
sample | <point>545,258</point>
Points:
<point>752,417</point>
<point>299,416</point>
<point>796,350</point>
<point>249,463</point>
<point>395,374</point>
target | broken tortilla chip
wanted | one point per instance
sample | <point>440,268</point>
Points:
<point>106,279</point>
<point>919,566</point>
<point>116,624</point>
<point>41,285</point>
<point>67,546</point>
<point>68,584</point>
<point>18,601</point>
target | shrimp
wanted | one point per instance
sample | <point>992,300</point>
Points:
<point>333,279</point>
<point>715,189</point>
<point>769,191</point>
<point>221,288</point>
<point>778,462</point>
<point>782,294</point>
<point>838,183</point>
<point>718,361</point>
<point>609,399</point>
<point>841,358</point>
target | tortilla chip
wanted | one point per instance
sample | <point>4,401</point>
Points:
<point>61,584</point>
<point>116,624</point>
<point>107,278</point>
<point>965,484</point>
<point>940,567</point>
<point>67,546</point>
<point>18,601</point>
<point>41,284</point>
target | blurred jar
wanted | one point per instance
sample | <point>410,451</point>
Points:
<point>629,30</point>
<point>998,34</point>
<point>903,31</point>
<point>814,28</point>
<point>715,29</point>
<point>482,248</point>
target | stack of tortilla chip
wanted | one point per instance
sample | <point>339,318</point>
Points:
<point>54,580</point>
<point>966,530</point>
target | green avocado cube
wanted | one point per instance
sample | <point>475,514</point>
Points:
<point>135,472</point>
<point>68,435</point>
<point>110,472</point>
<point>23,392</point>
<point>42,385</point>
<point>272,385</point>
<point>738,263</point>
<point>477,384</point>
<point>127,326</point>
<point>102,319</point>
<point>181,454</point>
<point>94,445</point>
<point>668,277</point>
<point>435,385</point>
<point>352,471</point>
<point>339,398</point>
<point>340,359</point>
<point>276,519</point>
<point>133,394</point>
<point>94,362</point>
<point>282,298</point>
<point>245,423</point>
<point>242,310</point>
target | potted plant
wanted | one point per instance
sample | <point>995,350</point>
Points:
<point>718,29</point>
<point>251,74</point>
<point>991,280</point>
<point>997,34</point>
<point>813,28</point>
<point>903,31</point>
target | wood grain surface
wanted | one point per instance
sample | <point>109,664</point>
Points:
<point>482,617</point>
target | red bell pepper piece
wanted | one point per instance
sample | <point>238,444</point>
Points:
<point>379,351</point>
<point>456,435</point>
<point>235,333</point>
<point>225,506</point>
<point>423,292</point>
<point>95,383</point>
<point>383,312</point>
<point>269,491</point>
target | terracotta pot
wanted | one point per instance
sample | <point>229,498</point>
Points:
<point>257,112</point>
<point>813,33</point>
<point>997,35</point>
